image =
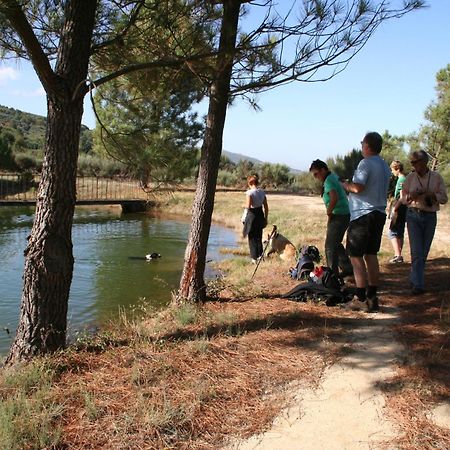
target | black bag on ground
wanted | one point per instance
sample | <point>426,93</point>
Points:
<point>330,279</point>
<point>305,264</point>
<point>317,292</point>
<point>328,288</point>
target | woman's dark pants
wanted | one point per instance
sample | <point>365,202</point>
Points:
<point>255,233</point>
<point>334,250</point>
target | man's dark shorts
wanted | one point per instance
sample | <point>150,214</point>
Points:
<point>364,234</point>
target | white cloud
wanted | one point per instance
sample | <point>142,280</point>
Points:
<point>39,92</point>
<point>6,74</point>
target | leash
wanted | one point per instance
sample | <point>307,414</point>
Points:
<point>274,230</point>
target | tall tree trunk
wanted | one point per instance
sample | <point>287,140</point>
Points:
<point>192,284</point>
<point>48,256</point>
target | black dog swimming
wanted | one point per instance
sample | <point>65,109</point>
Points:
<point>151,256</point>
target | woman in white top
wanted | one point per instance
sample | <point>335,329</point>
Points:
<point>256,219</point>
<point>423,192</point>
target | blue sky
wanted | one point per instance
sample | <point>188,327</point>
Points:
<point>387,86</point>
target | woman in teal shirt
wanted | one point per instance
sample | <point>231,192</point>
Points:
<point>398,217</point>
<point>336,203</point>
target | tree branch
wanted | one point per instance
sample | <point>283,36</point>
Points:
<point>164,62</point>
<point>120,36</point>
<point>14,13</point>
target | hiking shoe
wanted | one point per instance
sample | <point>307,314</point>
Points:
<point>396,260</point>
<point>356,304</point>
<point>372,304</point>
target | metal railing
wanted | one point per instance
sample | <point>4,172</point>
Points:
<point>23,187</point>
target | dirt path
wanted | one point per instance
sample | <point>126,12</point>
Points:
<point>346,410</point>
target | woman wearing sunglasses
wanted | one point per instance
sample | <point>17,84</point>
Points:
<point>423,191</point>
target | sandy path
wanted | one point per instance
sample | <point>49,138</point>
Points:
<point>346,411</point>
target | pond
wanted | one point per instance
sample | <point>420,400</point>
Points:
<point>110,273</point>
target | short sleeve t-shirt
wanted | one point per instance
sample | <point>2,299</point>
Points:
<point>257,197</point>
<point>374,174</point>
<point>332,183</point>
<point>398,186</point>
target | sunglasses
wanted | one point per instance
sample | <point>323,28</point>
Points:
<point>415,161</point>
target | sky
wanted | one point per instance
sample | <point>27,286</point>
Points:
<point>387,86</point>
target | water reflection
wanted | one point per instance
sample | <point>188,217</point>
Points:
<point>110,270</point>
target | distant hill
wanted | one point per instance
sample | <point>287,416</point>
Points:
<point>236,157</point>
<point>29,129</point>
<point>29,132</point>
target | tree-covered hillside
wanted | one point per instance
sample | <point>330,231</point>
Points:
<point>29,130</point>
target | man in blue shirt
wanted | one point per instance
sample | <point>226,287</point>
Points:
<point>367,202</point>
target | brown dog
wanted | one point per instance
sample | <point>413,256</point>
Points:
<point>282,246</point>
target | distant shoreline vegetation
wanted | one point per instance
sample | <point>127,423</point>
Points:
<point>22,137</point>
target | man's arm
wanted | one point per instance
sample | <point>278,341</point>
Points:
<point>354,188</point>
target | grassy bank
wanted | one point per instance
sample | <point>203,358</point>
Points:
<point>196,377</point>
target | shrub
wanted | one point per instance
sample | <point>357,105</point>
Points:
<point>28,162</point>
<point>92,166</point>
<point>225,178</point>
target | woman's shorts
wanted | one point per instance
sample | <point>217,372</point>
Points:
<point>397,226</point>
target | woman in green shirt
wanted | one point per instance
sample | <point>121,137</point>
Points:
<point>398,217</point>
<point>336,203</point>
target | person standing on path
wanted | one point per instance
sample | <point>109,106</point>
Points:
<point>396,230</point>
<point>423,191</point>
<point>256,218</point>
<point>336,203</point>
<point>367,202</point>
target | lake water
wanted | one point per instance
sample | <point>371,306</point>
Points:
<point>110,271</point>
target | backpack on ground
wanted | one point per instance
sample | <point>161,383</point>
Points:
<point>329,279</point>
<point>312,251</point>
<point>305,264</point>
<point>317,292</point>
<point>322,285</point>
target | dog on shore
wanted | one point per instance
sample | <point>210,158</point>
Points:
<point>281,245</point>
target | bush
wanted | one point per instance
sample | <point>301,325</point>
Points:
<point>305,182</point>
<point>445,173</point>
<point>28,162</point>
<point>6,156</point>
<point>225,178</point>
<point>95,166</point>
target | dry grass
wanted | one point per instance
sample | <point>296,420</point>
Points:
<point>423,380</point>
<point>194,386</point>
<point>197,377</point>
